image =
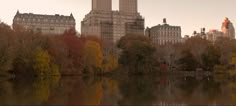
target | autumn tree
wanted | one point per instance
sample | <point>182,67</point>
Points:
<point>74,46</point>
<point>7,48</point>
<point>58,51</point>
<point>93,57</point>
<point>27,42</point>
<point>42,64</point>
<point>226,48</point>
<point>111,63</point>
<point>233,60</point>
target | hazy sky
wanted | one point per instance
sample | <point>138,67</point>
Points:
<point>189,14</point>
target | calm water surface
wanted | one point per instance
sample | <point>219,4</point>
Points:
<point>148,90</point>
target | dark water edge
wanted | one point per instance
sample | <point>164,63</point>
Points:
<point>148,89</point>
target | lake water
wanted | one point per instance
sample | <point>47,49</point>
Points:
<point>145,90</point>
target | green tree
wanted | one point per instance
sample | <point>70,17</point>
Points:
<point>127,41</point>
<point>197,46</point>
<point>187,61</point>
<point>211,57</point>
<point>137,56</point>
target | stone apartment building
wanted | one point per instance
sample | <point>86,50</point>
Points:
<point>164,34</point>
<point>45,24</point>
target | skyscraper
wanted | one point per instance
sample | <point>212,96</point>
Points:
<point>228,29</point>
<point>129,6</point>
<point>123,22</point>
<point>110,25</point>
<point>102,5</point>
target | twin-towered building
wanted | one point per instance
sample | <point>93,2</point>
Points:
<point>45,24</point>
<point>111,25</point>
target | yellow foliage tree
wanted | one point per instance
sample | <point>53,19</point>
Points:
<point>112,63</point>
<point>233,61</point>
<point>93,56</point>
<point>42,63</point>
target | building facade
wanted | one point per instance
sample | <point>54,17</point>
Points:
<point>45,24</point>
<point>102,5</point>
<point>128,6</point>
<point>228,28</point>
<point>212,35</point>
<point>112,25</point>
<point>164,34</point>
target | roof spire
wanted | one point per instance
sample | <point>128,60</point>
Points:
<point>17,12</point>
<point>164,21</point>
<point>71,15</point>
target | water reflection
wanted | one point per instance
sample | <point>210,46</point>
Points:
<point>145,90</point>
<point>25,91</point>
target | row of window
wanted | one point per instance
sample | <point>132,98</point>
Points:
<point>157,32</point>
<point>167,36</point>
<point>44,20</point>
<point>167,41</point>
<point>169,29</point>
<point>45,24</point>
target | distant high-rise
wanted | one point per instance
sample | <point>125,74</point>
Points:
<point>129,6</point>
<point>102,5</point>
<point>213,35</point>
<point>228,29</point>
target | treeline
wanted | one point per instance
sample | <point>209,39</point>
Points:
<point>199,54</point>
<point>139,55</point>
<point>24,53</point>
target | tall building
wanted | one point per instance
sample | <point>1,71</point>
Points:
<point>128,6</point>
<point>164,34</point>
<point>228,28</point>
<point>102,5</point>
<point>112,25</point>
<point>45,24</point>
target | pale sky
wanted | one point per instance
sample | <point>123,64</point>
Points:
<point>189,14</point>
